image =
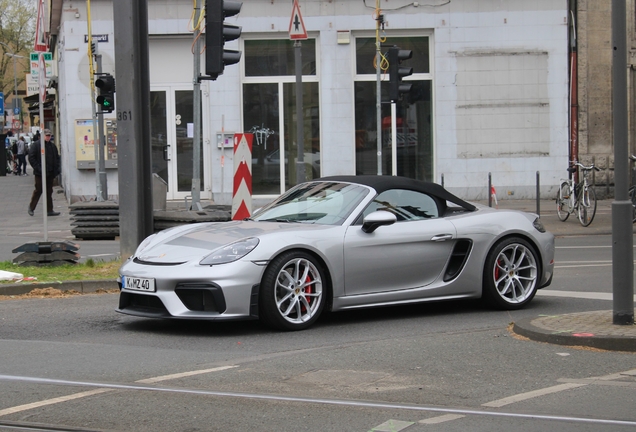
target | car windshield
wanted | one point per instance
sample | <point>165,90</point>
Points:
<point>326,203</point>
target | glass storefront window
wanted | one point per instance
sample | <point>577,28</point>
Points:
<point>269,111</point>
<point>365,52</point>
<point>276,58</point>
<point>414,117</point>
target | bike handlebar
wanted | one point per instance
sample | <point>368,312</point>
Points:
<point>632,157</point>
<point>586,168</point>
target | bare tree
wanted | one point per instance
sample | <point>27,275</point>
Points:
<point>17,32</point>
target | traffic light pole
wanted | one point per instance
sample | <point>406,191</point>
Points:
<point>196,111</point>
<point>100,168</point>
<point>378,90</point>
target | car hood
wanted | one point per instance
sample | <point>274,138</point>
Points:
<point>196,241</point>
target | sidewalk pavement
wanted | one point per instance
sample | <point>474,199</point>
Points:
<point>592,329</point>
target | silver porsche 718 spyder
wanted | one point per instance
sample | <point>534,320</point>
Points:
<point>339,243</point>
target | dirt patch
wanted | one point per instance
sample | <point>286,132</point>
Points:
<point>53,293</point>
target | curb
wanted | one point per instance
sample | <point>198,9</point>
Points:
<point>528,327</point>
<point>82,286</point>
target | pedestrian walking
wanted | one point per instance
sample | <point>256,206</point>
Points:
<point>53,169</point>
<point>22,149</point>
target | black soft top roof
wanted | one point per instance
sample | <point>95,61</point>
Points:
<point>383,183</point>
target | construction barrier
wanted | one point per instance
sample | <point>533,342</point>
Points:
<point>242,191</point>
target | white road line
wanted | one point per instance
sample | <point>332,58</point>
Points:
<point>80,395</point>
<point>532,394</point>
<point>305,400</point>
<point>183,375</point>
<point>555,389</point>
<point>582,247</point>
<point>577,294</point>
<point>46,402</point>
<point>557,266</point>
<point>441,419</point>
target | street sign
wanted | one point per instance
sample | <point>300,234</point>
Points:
<point>2,103</point>
<point>297,30</point>
<point>16,110</point>
<point>35,64</point>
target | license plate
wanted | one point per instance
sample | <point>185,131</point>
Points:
<point>138,284</point>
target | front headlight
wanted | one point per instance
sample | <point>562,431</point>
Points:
<point>231,252</point>
<point>538,225</point>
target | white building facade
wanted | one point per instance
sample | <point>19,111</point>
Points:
<point>489,95</point>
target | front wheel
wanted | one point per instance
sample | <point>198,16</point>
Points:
<point>563,201</point>
<point>292,295</point>
<point>511,274</point>
<point>587,206</point>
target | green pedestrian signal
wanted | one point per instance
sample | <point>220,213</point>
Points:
<point>106,85</point>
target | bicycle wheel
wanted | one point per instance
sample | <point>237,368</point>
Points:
<point>587,205</point>
<point>563,201</point>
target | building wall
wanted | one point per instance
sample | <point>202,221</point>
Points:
<point>594,43</point>
<point>499,70</point>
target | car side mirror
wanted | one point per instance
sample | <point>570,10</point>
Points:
<point>377,219</point>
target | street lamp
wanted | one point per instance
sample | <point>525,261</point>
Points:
<point>15,78</point>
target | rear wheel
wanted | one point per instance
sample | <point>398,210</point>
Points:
<point>587,206</point>
<point>563,201</point>
<point>511,274</point>
<point>292,296</point>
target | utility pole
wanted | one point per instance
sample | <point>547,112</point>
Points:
<point>622,210</point>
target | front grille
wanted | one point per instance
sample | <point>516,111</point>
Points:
<point>138,261</point>
<point>201,297</point>
<point>142,303</point>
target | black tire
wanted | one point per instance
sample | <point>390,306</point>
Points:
<point>587,212</point>
<point>563,201</point>
<point>293,291</point>
<point>511,274</point>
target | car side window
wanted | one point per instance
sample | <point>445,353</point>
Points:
<point>406,205</point>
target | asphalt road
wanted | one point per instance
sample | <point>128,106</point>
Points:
<point>75,363</point>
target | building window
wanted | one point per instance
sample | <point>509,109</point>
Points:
<point>269,111</point>
<point>414,147</point>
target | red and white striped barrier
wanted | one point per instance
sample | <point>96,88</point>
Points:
<point>242,192</point>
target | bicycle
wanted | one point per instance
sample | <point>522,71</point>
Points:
<point>579,197</point>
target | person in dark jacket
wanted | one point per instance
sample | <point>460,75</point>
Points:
<point>53,169</point>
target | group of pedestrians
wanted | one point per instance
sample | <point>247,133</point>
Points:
<point>53,167</point>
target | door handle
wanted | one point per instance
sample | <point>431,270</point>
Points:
<point>441,237</point>
<point>165,153</point>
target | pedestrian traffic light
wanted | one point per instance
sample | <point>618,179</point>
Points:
<point>397,72</point>
<point>106,85</point>
<point>217,33</point>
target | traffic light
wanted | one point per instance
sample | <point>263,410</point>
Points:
<point>396,72</point>
<point>106,85</point>
<point>217,33</point>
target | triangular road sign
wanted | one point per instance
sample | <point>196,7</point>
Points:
<point>297,28</point>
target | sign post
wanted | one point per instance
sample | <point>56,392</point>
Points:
<point>298,32</point>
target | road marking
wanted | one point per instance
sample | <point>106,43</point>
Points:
<point>335,402</point>
<point>183,375</point>
<point>582,247</point>
<point>577,294</point>
<point>570,384</point>
<point>532,394</point>
<point>582,265</point>
<point>80,395</point>
<point>392,426</point>
<point>441,419</point>
<point>46,402</point>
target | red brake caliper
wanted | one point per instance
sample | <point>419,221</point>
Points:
<point>307,291</point>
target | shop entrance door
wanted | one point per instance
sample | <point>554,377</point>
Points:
<point>172,131</point>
